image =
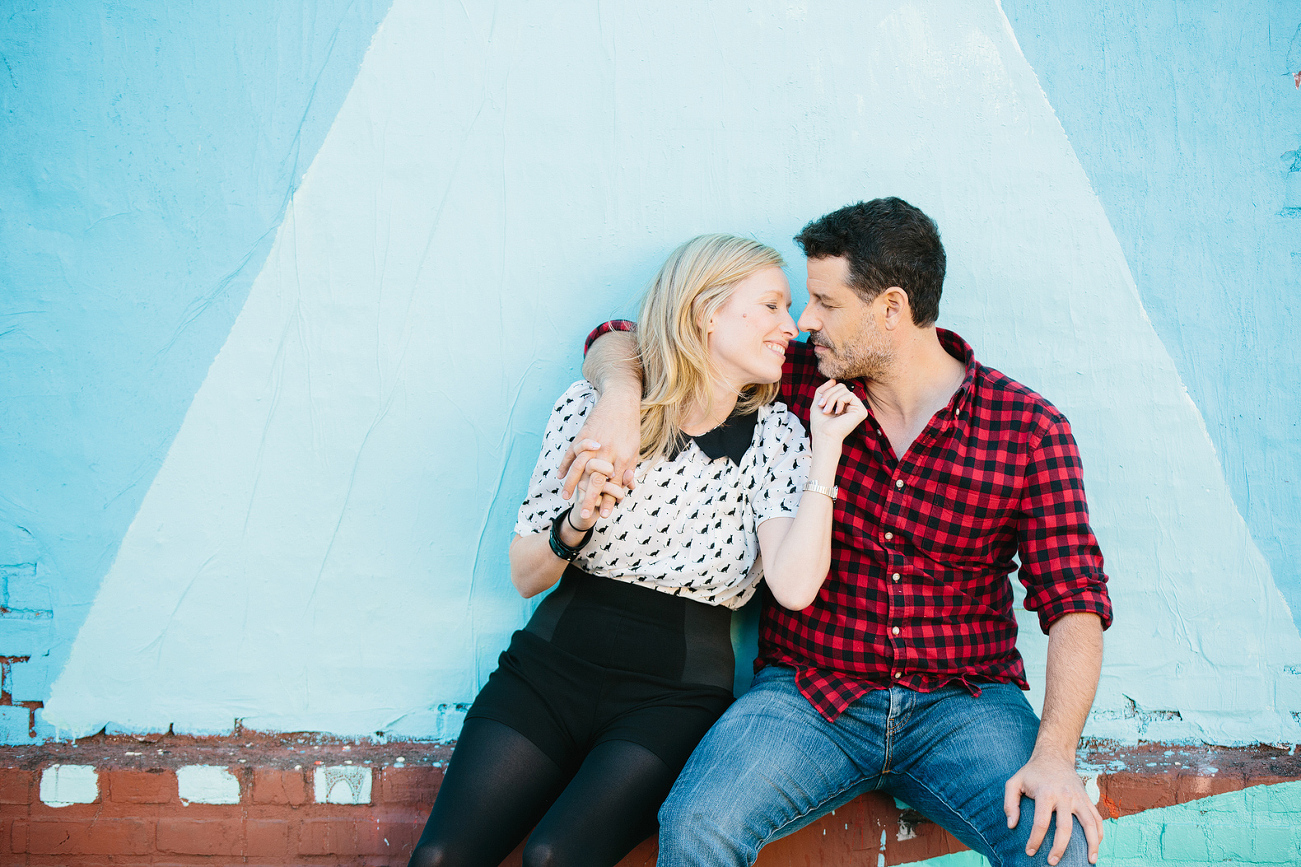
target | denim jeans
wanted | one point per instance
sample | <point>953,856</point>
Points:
<point>772,765</point>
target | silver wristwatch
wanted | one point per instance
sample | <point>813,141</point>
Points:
<point>831,492</point>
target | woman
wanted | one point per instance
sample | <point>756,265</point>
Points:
<point>599,700</point>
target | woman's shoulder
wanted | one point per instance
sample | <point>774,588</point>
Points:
<point>776,419</point>
<point>778,431</point>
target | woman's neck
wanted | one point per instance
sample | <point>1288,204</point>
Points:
<point>702,419</point>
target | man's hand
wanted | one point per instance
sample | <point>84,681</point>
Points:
<point>612,434</point>
<point>1055,788</point>
<point>594,484</point>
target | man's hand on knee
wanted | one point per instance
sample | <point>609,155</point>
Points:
<point>1056,789</point>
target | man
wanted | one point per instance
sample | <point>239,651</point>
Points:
<point>903,676</point>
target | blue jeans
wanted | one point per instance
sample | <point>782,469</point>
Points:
<point>772,765</point>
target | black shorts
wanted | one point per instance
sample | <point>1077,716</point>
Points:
<point>602,660</point>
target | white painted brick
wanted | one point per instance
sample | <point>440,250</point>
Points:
<point>207,784</point>
<point>62,785</point>
<point>342,784</point>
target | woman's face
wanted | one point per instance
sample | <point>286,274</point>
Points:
<point>749,333</point>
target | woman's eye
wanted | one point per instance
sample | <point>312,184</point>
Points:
<point>771,306</point>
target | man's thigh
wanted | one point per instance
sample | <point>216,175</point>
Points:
<point>768,767</point>
<point>950,759</point>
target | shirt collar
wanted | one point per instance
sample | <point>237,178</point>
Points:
<point>961,350</point>
<point>730,439</point>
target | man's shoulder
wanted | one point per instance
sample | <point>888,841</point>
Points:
<point>996,394</point>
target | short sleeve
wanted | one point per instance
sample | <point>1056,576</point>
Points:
<point>543,501</point>
<point>785,466</point>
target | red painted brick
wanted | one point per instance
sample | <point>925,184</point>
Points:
<point>16,786</point>
<point>142,787</point>
<point>340,837</point>
<point>201,836</point>
<point>274,786</point>
<point>416,785</point>
<point>89,836</point>
<point>1191,787</point>
<point>266,837</point>
<point>1128,792</point>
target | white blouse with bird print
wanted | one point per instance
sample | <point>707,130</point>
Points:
<point>688,527</point>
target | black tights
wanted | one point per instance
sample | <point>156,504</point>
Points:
<point>499,785</point>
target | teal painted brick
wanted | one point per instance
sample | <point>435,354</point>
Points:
<point>1184,843</point>
<point>26,587</point>
<point>1230,802</point>
<point>44,731</point>
<point>1122,841</point>
<point>14,726</point>
<point>1276,845</point>
<point>1277,800</point>
<point>25,636</point>
<point>30,681</point>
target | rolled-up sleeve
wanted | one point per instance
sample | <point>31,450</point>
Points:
<point>606,328</point>
<point>1061,563</point>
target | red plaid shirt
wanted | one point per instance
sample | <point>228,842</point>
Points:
<point>921,548</point>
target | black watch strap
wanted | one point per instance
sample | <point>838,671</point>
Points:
<point>558,547</point>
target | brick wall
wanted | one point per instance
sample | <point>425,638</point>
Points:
<point>302,799</point>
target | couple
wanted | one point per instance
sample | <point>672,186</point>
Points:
<point>887,656</point>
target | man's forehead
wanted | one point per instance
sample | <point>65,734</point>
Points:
<point>828,274</point>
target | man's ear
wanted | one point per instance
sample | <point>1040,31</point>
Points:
<point>895,309</point>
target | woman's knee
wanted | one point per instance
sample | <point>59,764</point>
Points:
<point>542,853</point>
<point>434,855</point>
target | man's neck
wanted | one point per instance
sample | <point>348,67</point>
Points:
<point>919,382</point>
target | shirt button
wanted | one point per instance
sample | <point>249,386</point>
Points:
<point>889,536</point>
<point>895,576</point>
<point>898,483</point>
<point>898,674</point>
<point>894,631</point>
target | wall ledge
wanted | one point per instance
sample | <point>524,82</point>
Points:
<point>311,799</point>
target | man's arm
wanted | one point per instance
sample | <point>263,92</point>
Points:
<point>1074,664</point>
<point>1061,566</point>
<point>613,429</point>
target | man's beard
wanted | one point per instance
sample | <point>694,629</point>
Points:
<point>863,360</point>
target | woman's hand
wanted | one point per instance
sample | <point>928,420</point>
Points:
<point>594,483</point>
<point>835,412</point>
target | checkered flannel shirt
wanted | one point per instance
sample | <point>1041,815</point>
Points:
<point>918,595</point>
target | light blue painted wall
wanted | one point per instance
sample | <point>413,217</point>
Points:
<point>1186,117</point>
<point>147,154</point>
<point>339,494</point>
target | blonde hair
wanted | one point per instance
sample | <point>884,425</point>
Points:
<point>695,281</point>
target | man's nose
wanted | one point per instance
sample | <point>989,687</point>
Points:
<point>806,322</point>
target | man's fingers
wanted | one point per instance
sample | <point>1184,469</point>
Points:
<point>1012,802</point>
<point>574,463</point>
<point>1093,832</point>
<point>1061,836</point>
<point>1043,814</point>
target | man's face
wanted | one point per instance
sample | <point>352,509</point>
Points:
<point>842,327</point>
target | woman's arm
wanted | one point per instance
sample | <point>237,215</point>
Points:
<point>797,551</point>
<point>534,566</point>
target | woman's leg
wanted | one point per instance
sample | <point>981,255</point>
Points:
<point>497,785</point>
<point>605,811</point>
